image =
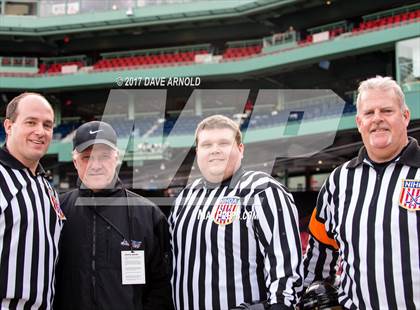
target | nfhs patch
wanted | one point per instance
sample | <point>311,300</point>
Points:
<point>410,195</point>
<point>226,211</point>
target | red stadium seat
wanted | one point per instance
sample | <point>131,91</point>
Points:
<point>382,22</point>
<point>5,61</point>
<point>42,68</point>
<point>412,15</point>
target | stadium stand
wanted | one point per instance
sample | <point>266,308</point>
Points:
<point>149,58</point>
<point>388,19</point>
<point>57,67</point>
<point>255,45</point>
<point>187,54</point>
<point>242,49</point>
<point>234,50</point>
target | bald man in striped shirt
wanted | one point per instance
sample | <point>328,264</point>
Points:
<point>30,216</point>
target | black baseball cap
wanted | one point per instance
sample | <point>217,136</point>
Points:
<point>94,132</point>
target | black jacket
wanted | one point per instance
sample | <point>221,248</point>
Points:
<point>89,266</point>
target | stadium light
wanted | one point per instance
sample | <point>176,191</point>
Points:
<point>129,12</point>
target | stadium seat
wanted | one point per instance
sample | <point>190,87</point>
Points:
<point>239,52</point>
<point>5,61</point>
<point>412,15</point>
<point>42,68</point>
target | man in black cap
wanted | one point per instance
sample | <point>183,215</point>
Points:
<point>115,243</point>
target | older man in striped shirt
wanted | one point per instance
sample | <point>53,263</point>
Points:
<point>235,235</point>
<point>368,210</point>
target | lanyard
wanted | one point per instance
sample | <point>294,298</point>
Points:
<point>129,219</point>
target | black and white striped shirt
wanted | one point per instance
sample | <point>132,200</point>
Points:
<point>29,234</point>
<point>235,242</point>
<point>369,216</point>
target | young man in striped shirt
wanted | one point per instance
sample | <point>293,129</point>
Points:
<point>30,215</point>
<point>235,235</point>
<point>368,210</point>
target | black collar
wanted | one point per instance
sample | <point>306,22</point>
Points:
<point>8,160</point>
<point>231,181</point>
<point>410,156</point>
